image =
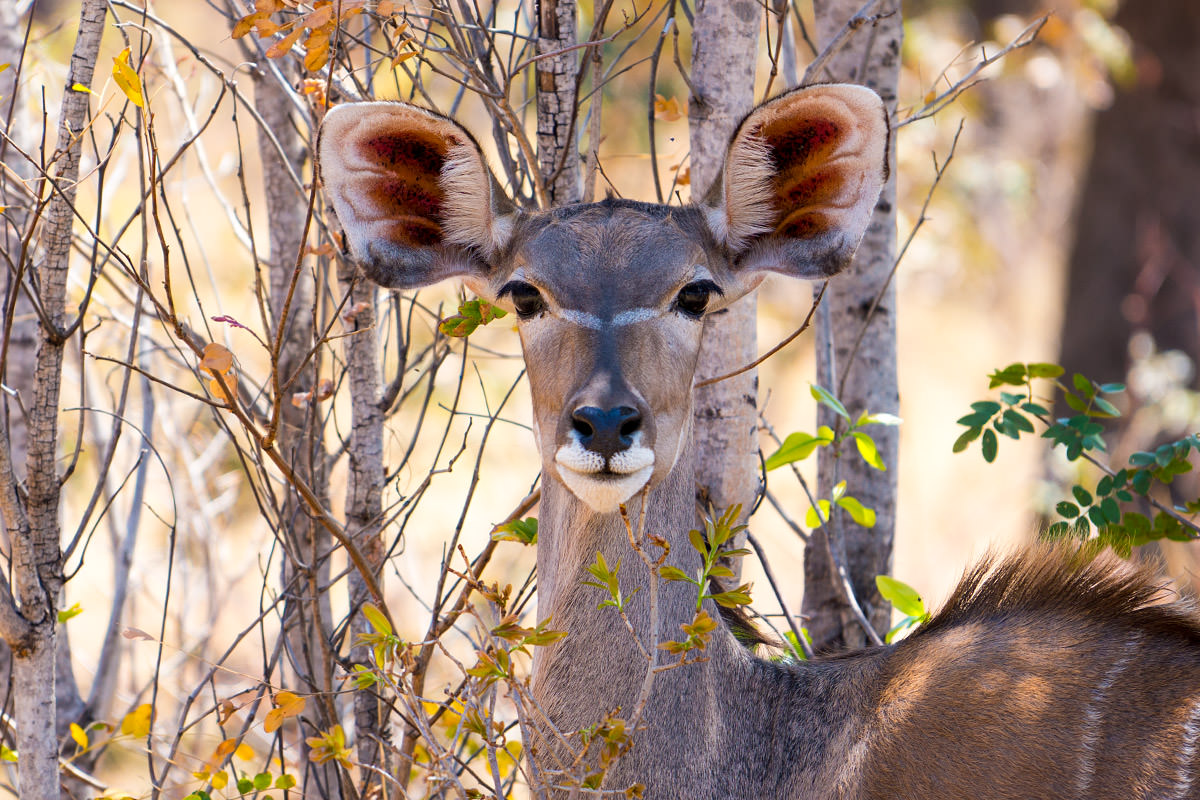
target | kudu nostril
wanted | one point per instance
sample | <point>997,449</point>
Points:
<point>606,432</point>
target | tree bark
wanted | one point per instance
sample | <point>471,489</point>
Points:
<point>724,53</point>
<point>307,613</point>
<point>869,381</point>
<point>37,557</point>
<point>557,137</point>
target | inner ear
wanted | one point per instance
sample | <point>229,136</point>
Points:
<point>413,193</point>
<point>801,177</point>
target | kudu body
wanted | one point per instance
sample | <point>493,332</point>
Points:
<point>1041,678</point>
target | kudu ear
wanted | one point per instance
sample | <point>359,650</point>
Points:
<point>413,193</point>
<point>801,177</point>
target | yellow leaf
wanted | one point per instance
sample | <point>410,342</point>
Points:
<point>317,56</point>
<point>127,79</point>
<point>929,97</point>
<point>216,358</point>
<point>79,87</point>
<point>287,705</point>
<point>137,722</point>
<point>4,66</point>
<point>79,735</point>
<point>220,780</point>
<point>244,751</point>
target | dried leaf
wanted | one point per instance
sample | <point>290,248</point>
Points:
<point>668,110</point>
<point>137,633</point>
<point>285,44</point>
<point>217,358</point>
<point>400,58</point>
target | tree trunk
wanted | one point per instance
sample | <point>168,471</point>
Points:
<point>867,380</point>
<point>37,557</point>
<point>1135,264</point>
<point>724,53</point>
<point>307,614</point>
<point>558,153</point>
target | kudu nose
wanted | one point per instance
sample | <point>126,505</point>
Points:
<point>606,432</point>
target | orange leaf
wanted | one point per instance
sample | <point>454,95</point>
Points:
<point>284,44</point>
<point>217,358</point>
<point>230,380</point>
<point>268,6</point>
<point>402,57</point>
<point>246,23</point>
<point>667,110</point>
<point>320,17</point>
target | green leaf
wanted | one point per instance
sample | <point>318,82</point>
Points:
<point>1074,402</point>
<point>868,450</point>
<point>812,520</point>
<point>796,447</point>
<point>524,531</point>
<point>1141,482</point>
<point>262,781</point>
<point>696,538</point>
<point>669,573</point>
<point>1141,459</point>
<point>838,490</point>
<point>899,628</point>
<point>1097,517</point>
<point>1012,375</point>
<point>858,512</point>
<point>67,613</point>
<point>826,398</point>
<point>377,619</point>
<point>881,419</point>
<point>285,781</point>
<point>1043,370</point>
<point>989,445</point>
<point>245,785</point>
<point>471,314</point>
<point>1082,385</point>
<point>1082,495</point>
<point>1112,388</point>
<point>1112,512</point>
<point>968,436</point>
<point>905,598</point>
<point>1034,408</point>
<point>1068,510</point>
<point>1018,421</point>
<point>734,597</point>
<point>1104,408</point>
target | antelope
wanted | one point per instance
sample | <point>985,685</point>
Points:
<point>1043,676</point>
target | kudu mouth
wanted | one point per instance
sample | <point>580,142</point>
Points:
<point>604,480</point>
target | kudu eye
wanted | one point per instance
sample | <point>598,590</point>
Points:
<point>526,299</point>
<point>693,298</point>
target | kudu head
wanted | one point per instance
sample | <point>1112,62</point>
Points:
<point>610,297</point>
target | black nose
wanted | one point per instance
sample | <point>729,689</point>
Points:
<point>606,432</point>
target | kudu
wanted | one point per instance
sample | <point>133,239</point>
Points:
<point>1042,677</point>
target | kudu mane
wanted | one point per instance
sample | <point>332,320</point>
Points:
<point>1057,580</point>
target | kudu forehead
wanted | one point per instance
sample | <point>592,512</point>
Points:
<point>611,257</point>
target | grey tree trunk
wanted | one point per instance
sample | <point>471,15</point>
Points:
<point>557,138</point>
<point>724,53</point>
<point>37,557</point>
<point>867,380</point>
<point>307,614</point>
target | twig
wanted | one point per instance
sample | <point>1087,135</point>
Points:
<point>766,565</point>
<point>812,74</point>
<point>784,343</point>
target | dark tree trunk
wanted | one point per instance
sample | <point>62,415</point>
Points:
<point>1135,264</point>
